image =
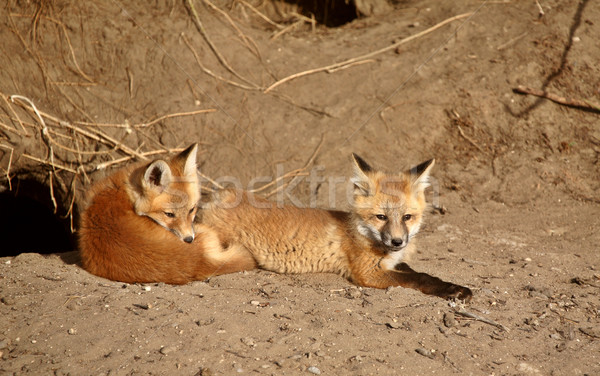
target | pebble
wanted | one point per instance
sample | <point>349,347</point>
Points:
<point>72,331</point>
<point>147,288</point>
<point>255,302</point>
<point>248,341</point>
<point>314,370</point>
<point>449,320</point>
<point>425,352</point>
<point>7,300</point>
<point>167,349</point>
<point>3,344</point>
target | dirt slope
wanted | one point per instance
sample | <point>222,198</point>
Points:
<point>518,177</point>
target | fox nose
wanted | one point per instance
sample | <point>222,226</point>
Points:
<point>397,242</point>
<point>188,239</point>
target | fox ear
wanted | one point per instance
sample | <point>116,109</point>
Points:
<point>420,173</point>
<point>187,159</point>
<point>158,175</point>
<point>360,164</point>
<point>362,183</point>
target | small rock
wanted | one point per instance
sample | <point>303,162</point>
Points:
<point>591,331</point>
<point>539,292</point>
<point>72,331</point>
<point>204,372</point>
<point>314,370</point>
<point>167,349</point>
<point>147,288</point>
<point>425,352</point>
<point>7,300</point>
<point>353,293</point>
<point>528,369</point>
<point>248,341</point>
<point>255,302</point>
<point>3,343</point>
<point>449,320</point>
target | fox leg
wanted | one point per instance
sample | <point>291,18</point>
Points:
<point>404,276</point>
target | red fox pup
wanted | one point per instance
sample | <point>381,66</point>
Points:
<point>138,227</point>
<point>368,245</point>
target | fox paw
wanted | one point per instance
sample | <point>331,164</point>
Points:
<point>459,292</point>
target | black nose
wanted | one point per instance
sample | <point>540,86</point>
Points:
<point>397,242</point>
<point>188,239</point>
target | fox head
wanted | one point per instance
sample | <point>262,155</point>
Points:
<point>388,208</point>
<point>167,192</point>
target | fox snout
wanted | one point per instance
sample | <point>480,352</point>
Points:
<point>188,238</point>
<point>394,243</point>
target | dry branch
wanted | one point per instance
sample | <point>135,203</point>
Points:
<point>249,42</point>
<point>261,15</point>
<point>212,46</point>
<point>211,73</point>
<point>168,116</point>
<point>301,171</point>
<point>462,312</point>
<point>353,60</point>
<point>571,102</point>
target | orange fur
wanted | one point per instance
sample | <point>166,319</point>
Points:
<point>369,245</point>
<point>126,236</point>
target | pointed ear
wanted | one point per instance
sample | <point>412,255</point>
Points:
<point>187,159</point>
<point>420,173</point>
<point>360,164</point>
<point>361,181</point>
<point>157,175</point>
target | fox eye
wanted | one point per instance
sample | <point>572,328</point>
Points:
<point>407,217</point>
<point>381,217</point>
<point>192,210</point>
<point>169,214</point>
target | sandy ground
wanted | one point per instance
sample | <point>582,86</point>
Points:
<point>518,178</point>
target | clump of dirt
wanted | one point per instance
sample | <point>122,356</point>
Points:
<point>99,85</point>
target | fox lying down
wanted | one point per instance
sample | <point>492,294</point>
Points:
<point>368,245</point>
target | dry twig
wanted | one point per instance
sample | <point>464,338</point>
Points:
<point>212,46</point>
<point>571,102</point>
<point>261,15</point>
<point>211,73</point>
<point>368,55</point>
<point>249,42</point>
<point>462,312</point>
<point>303,170</point>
